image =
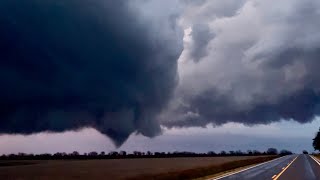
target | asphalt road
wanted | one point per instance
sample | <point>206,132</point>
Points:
<point>293,167</point>
<point>304,167</point>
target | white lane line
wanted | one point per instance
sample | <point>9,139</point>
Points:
<point>274,176</point>
<point>316,160</point>
<point>230,174</point>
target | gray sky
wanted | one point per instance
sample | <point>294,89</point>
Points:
<point>283,135</point>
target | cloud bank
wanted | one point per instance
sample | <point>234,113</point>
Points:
<point>116,65</point>
<point>260,67</point>
<point>72,64</point>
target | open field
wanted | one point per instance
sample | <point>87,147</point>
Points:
<point>112,169</point>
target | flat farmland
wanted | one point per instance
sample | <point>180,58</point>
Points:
<point>106,169</point>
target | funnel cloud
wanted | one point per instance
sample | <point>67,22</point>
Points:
<point>126,67</point>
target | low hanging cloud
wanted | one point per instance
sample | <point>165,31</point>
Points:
<point>71,64</point>
<point>260,67</point>
<point>116,65</point>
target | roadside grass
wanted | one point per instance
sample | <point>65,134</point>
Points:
<point>204,171</point>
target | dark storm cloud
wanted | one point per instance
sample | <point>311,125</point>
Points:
<point>112,65</point>
<point>71,64</point>
<point>219,110</point>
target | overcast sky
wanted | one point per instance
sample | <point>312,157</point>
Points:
<point>159,75</point>
<point>282,135</point>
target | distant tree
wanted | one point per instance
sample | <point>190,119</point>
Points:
<point>239,153</point>
<point>22,154</point>
<point>123,153</point>
<point>285,152</point>
<point>93,153</point>
<point>31,155</point>
<point>102,153</point>
<point>3,156</point>
<point>137,153</point>
<point>316,141</point>
<point>223,153</point>
<point>211,153</point>
<point>256,152</point>
<point>113,153</point>
<point>305,152</point>
<point>75,153</point>
<point>58,155</point>
<point>272,151</point>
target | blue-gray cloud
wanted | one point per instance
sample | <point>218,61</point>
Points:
<point>112,65</point>
<point>70,64</point>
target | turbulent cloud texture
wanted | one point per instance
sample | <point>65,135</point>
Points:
<point>261,66</point>
<point>113,65</point>
<point>72,64</point>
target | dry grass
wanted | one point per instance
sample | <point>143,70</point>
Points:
<point>173,168</point>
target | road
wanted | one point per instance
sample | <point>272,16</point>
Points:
<point>293,167</point>
<point>304,167</point>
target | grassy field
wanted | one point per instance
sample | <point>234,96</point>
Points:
<point>121,168</point>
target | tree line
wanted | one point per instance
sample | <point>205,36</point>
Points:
<point>316,141</point>
<point>137,154</point>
